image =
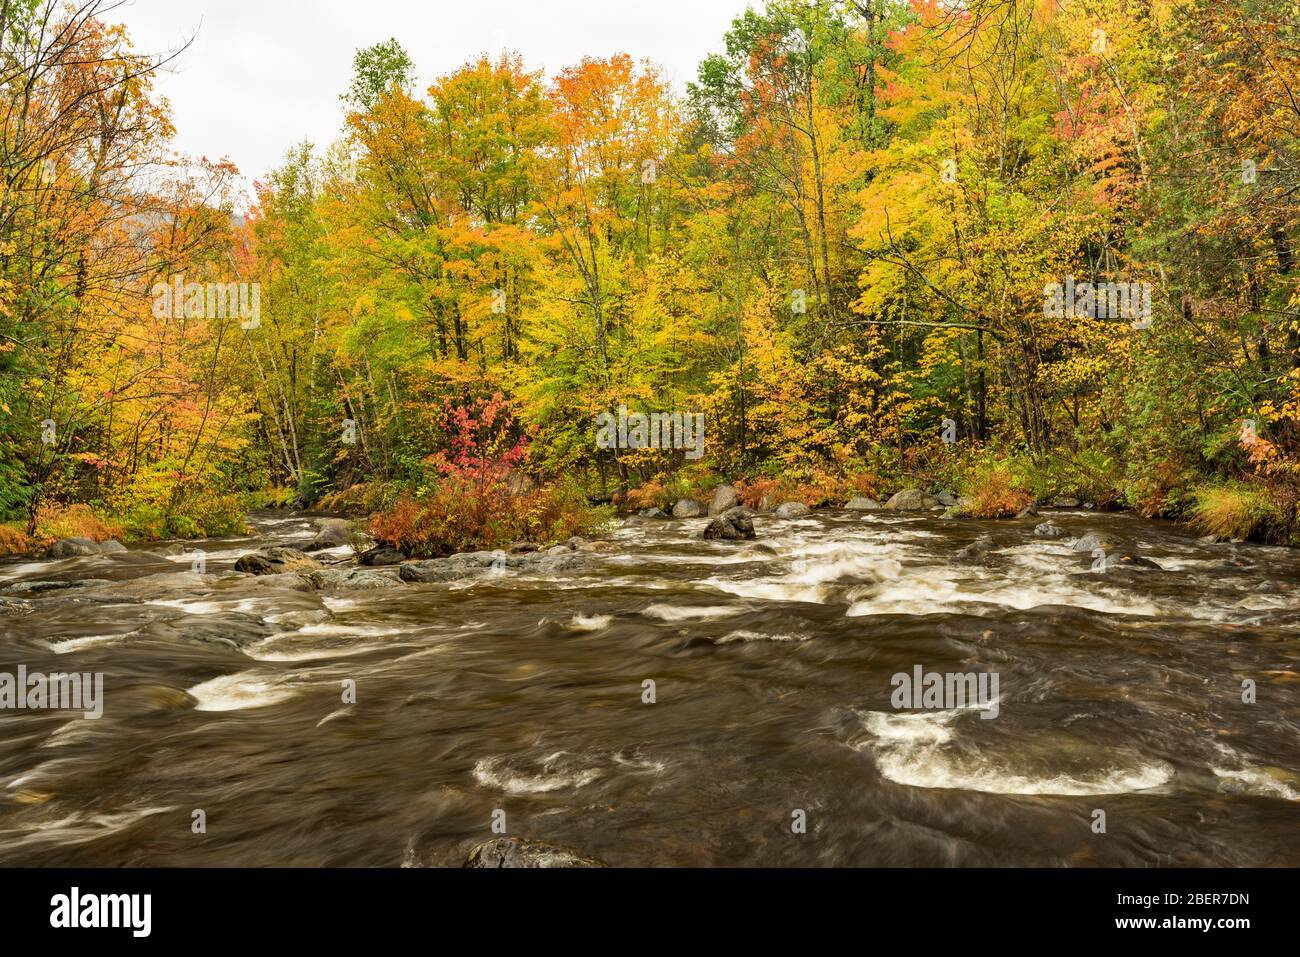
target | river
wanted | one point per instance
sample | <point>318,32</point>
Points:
<point>772,662</point>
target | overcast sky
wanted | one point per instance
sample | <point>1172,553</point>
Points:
<point>265,74</point>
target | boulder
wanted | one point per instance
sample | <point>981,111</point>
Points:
<point>358,578</point>
<point>687,508</point>
<point>792,510</point>
<point>111,546</point>
<point>732,525</point>
<point>861,503</point>
<point>946,499</point>
<point>911,500</point>
<point>1029,511</point>
<point>276,560</point>
<point>517,852</point>
<point>1090,542</point>
<point>381,555</point>
<point>72,548</point>
<point>474,564</point>
<point>332,533</point>
<point>653,513</point>
<point>978,550</point>
<point>1048,530</point>
<point>724,498</point>
<point>1066,503</point>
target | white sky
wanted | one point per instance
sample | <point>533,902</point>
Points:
<point>263,75</point>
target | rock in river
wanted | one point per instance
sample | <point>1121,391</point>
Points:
<point>732,525</point>
<point>687,508</point>
<point>861,503</point>
<point>517,852</point>
<point>911,500</point>
<point>792,510</point>
<point>469,564</point>
<point>276,560</point>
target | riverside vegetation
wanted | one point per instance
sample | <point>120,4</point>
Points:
<point>835,241</point>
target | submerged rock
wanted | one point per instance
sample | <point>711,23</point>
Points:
<point>732,525</point>
<point>724,498</point>
<point>861,503</point>
<point>687,508</point>
<point>231,628</point>
<point>275,561</point>
<point>517,852</point>
<point>652,513</point>
<point>792,510</point>
<point>38,587</point>
<point>15,607</point>
<point>978,550</point>
<point>469,564</point>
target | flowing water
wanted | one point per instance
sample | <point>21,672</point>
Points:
<point>1119,691</point>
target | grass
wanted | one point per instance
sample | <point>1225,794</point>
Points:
<point>1237,511</point>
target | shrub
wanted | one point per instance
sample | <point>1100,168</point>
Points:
<point>990,491</point>
<point>456,516</point>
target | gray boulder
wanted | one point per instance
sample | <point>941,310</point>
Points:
<point>1066,503</point>
<point>946,499</point>
<point>1029,511</point>
<point>1126,559</point>
<point>978,550</point>
<point>72,548</point>
<point>861,503</point>
<point>687,508</point>
<point>1048,530</point>
<point>332,533</point>
<point>724,498</point>
<point>111,546</point>
<point>517,852</point>
<point>653,513</point>
<point>276,560</point>
<point>381,555</point>
<point>732,526</point>
<point>911,500</point>
<point>352,578</point>
<point>792,510</point>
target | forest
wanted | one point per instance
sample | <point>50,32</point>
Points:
<point>1012,250</point>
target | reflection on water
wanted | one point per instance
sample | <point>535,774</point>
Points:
<point>770,662</point>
